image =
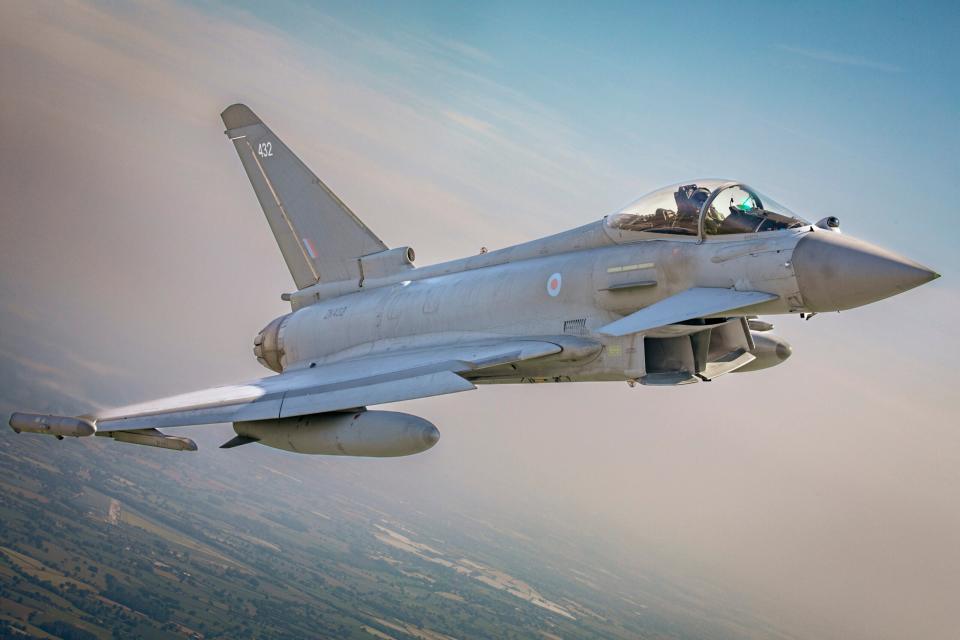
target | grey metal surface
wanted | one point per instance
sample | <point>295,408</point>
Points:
<point>319,237</point>
<point>769,351</point>
<point>430,384</point>
<point>152,438</point>
<point>51,425</point>
<point>379,434</point>
<point>837,272</point>
<point>696,302</point>
<point>332,386</point>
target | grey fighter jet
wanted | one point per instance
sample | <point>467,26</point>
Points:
<point>666,291</point>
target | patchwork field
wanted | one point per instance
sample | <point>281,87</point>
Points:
<point>99,540</point>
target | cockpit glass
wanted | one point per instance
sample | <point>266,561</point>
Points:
<point>726,207</point>
<point>672,210</point>
<point>737,208</point>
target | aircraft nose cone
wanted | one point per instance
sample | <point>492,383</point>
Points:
<point>837,272</point>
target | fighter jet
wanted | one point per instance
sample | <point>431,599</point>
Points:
<point>666,291</point>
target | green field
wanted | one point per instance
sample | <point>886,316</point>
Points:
<point>103,540</point>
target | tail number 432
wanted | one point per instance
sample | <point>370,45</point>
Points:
<point>265,149</point>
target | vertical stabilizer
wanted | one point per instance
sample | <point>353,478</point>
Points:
<point>320,238</point>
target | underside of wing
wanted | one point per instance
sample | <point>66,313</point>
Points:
<point>698,302</point>
<point>337,386</point>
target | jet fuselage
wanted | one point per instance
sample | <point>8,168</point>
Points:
<point>569,284</point>
<point>665,291</point>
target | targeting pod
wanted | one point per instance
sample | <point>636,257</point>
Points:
<point>59,426</point>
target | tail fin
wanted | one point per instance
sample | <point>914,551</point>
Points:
<point>319,237</point>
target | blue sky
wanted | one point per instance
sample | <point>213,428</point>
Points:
<point>846,109</point>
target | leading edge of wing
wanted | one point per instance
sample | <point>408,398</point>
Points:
<point>697,302</point>
<point>344,385</point>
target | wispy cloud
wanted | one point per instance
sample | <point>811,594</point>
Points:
<point>545,148</point>
<point>466,50</point>
<point>37,367</point>
<point>36,373</point>
<point>469,122</point>
<point>21,311</point>
<point>833,57</point>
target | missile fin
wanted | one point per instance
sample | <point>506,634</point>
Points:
<point>236,441</point>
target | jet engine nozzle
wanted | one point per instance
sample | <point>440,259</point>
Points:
<point>268,344</point>
<point>837,272</point>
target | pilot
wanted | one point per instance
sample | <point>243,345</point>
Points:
<point>690,199</point>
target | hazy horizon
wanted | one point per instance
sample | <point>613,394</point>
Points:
<point>822,494</point>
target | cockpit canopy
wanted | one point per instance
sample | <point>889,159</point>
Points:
<point>703,208</point>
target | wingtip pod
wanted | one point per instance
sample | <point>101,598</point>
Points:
<point>52,425</point>
<point>239,115</point>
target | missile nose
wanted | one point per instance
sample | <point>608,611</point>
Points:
<point>783,350</point>
<point>431,436</point>
<point>836,272</point>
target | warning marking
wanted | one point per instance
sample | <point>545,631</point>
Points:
<point>630,267</point>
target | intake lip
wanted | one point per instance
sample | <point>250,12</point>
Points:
<point>837,272</point>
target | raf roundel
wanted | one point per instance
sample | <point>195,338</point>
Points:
<point>554,283</point>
